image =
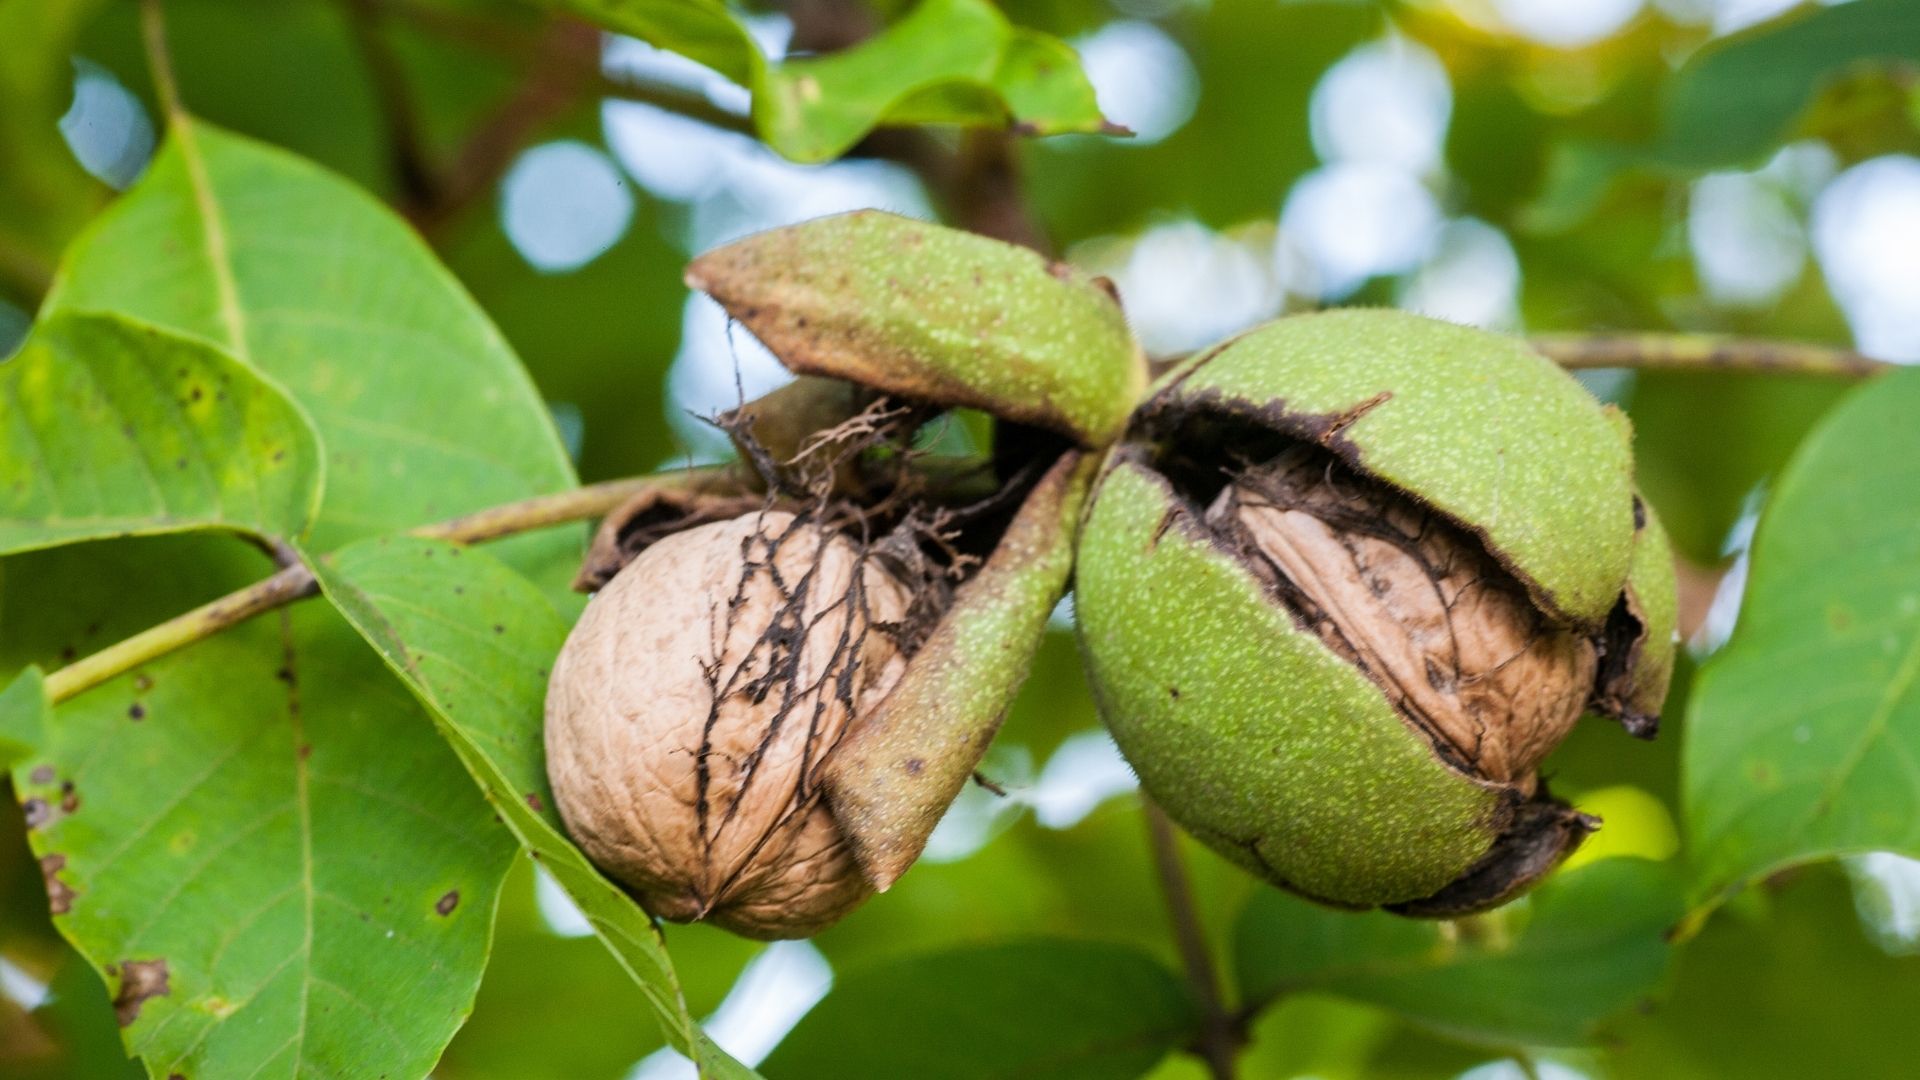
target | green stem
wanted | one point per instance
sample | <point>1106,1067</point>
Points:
<point>1220,1038</point>
<point>1699,352</point>
<point>153,34</point>
<point>297,582</point>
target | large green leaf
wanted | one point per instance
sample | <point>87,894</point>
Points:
<point>1052,1007</point>
<point>424,413</point>
<point>1784,986</point>
<point>259,842</point>
<point>946,62</point>
<point>474,641</point>
<point>422,408</point>
<point>114,428</point>
<point>1587,944</point>
<point>1804,731</point>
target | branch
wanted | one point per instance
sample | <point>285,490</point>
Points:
<point>1220,1035</point>
<point>297,582</point>
<point>677,100</point>
<point>413,167</point>
<point>1697,352</point>
<point>565,68</point>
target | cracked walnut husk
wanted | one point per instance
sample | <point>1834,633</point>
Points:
<point>1346,581</point>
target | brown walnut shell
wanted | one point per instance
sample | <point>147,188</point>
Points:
<point>691,709</point>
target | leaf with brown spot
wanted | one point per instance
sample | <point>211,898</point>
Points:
<point>139,981</point>
<point>60,895</point>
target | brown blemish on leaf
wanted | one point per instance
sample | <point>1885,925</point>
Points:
<point>137,711</point>
<point>37,811</point>
<point>139,980</point>
<point>538,804</point>
<point>60,895</point>
<point>446,904</point>
<point>42,775</point>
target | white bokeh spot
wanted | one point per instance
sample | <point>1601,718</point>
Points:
<point>563,204</point>
<point>1142,78</point>
<point>1866,233</point>
<point>1385,103</point>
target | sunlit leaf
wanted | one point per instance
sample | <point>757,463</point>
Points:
<point>286,741</point>
<point>1587,944</point>
<point>260,843</point>
<point>115,428</point>
<point>946,61</point>
<point>421,406</point>
<point>474,641</point>
<point>1803,732</point>
<point>1053,1007</point>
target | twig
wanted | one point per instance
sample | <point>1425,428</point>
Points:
<point>1695,352</point>
<point>564,70</point>
<point>413,167</point>
<point>1220,1035</point>
<point>674,99</point>
<point>297,582</point>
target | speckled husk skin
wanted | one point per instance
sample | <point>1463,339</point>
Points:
<point>934,314</point>
<point>1280,751</point>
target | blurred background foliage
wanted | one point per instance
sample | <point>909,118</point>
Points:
<point>1742,166</point>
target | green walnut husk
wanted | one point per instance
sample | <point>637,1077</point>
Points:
<point>790,668</point>
<point>1345,581</point>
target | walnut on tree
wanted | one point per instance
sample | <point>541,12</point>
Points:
<point>793,664</point>
<point>1344,583</point>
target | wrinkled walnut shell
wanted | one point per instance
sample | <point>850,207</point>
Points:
<point>690,710</point>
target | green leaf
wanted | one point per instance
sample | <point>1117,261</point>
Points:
<point>946,62</point>
<point>474,641</point>
<point>1803,731</point>
<point>23,717</point>
<point>424,413</point>
<point>259,842</point>
<point>1053,1007</point>
<point>116,428</point>
<point>1734,101</point>
<point>422,408</point>
<point>700,30</point>
<point>1736,98</point>
<point>1783,984</point>
<point>1585,945</point>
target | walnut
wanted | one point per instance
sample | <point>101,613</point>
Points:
<point>690,713</point>
<point>1419,605</point>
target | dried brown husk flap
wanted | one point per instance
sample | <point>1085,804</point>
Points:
<point>899,767</point>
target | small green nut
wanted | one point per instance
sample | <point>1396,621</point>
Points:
<point>1343,584</point>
